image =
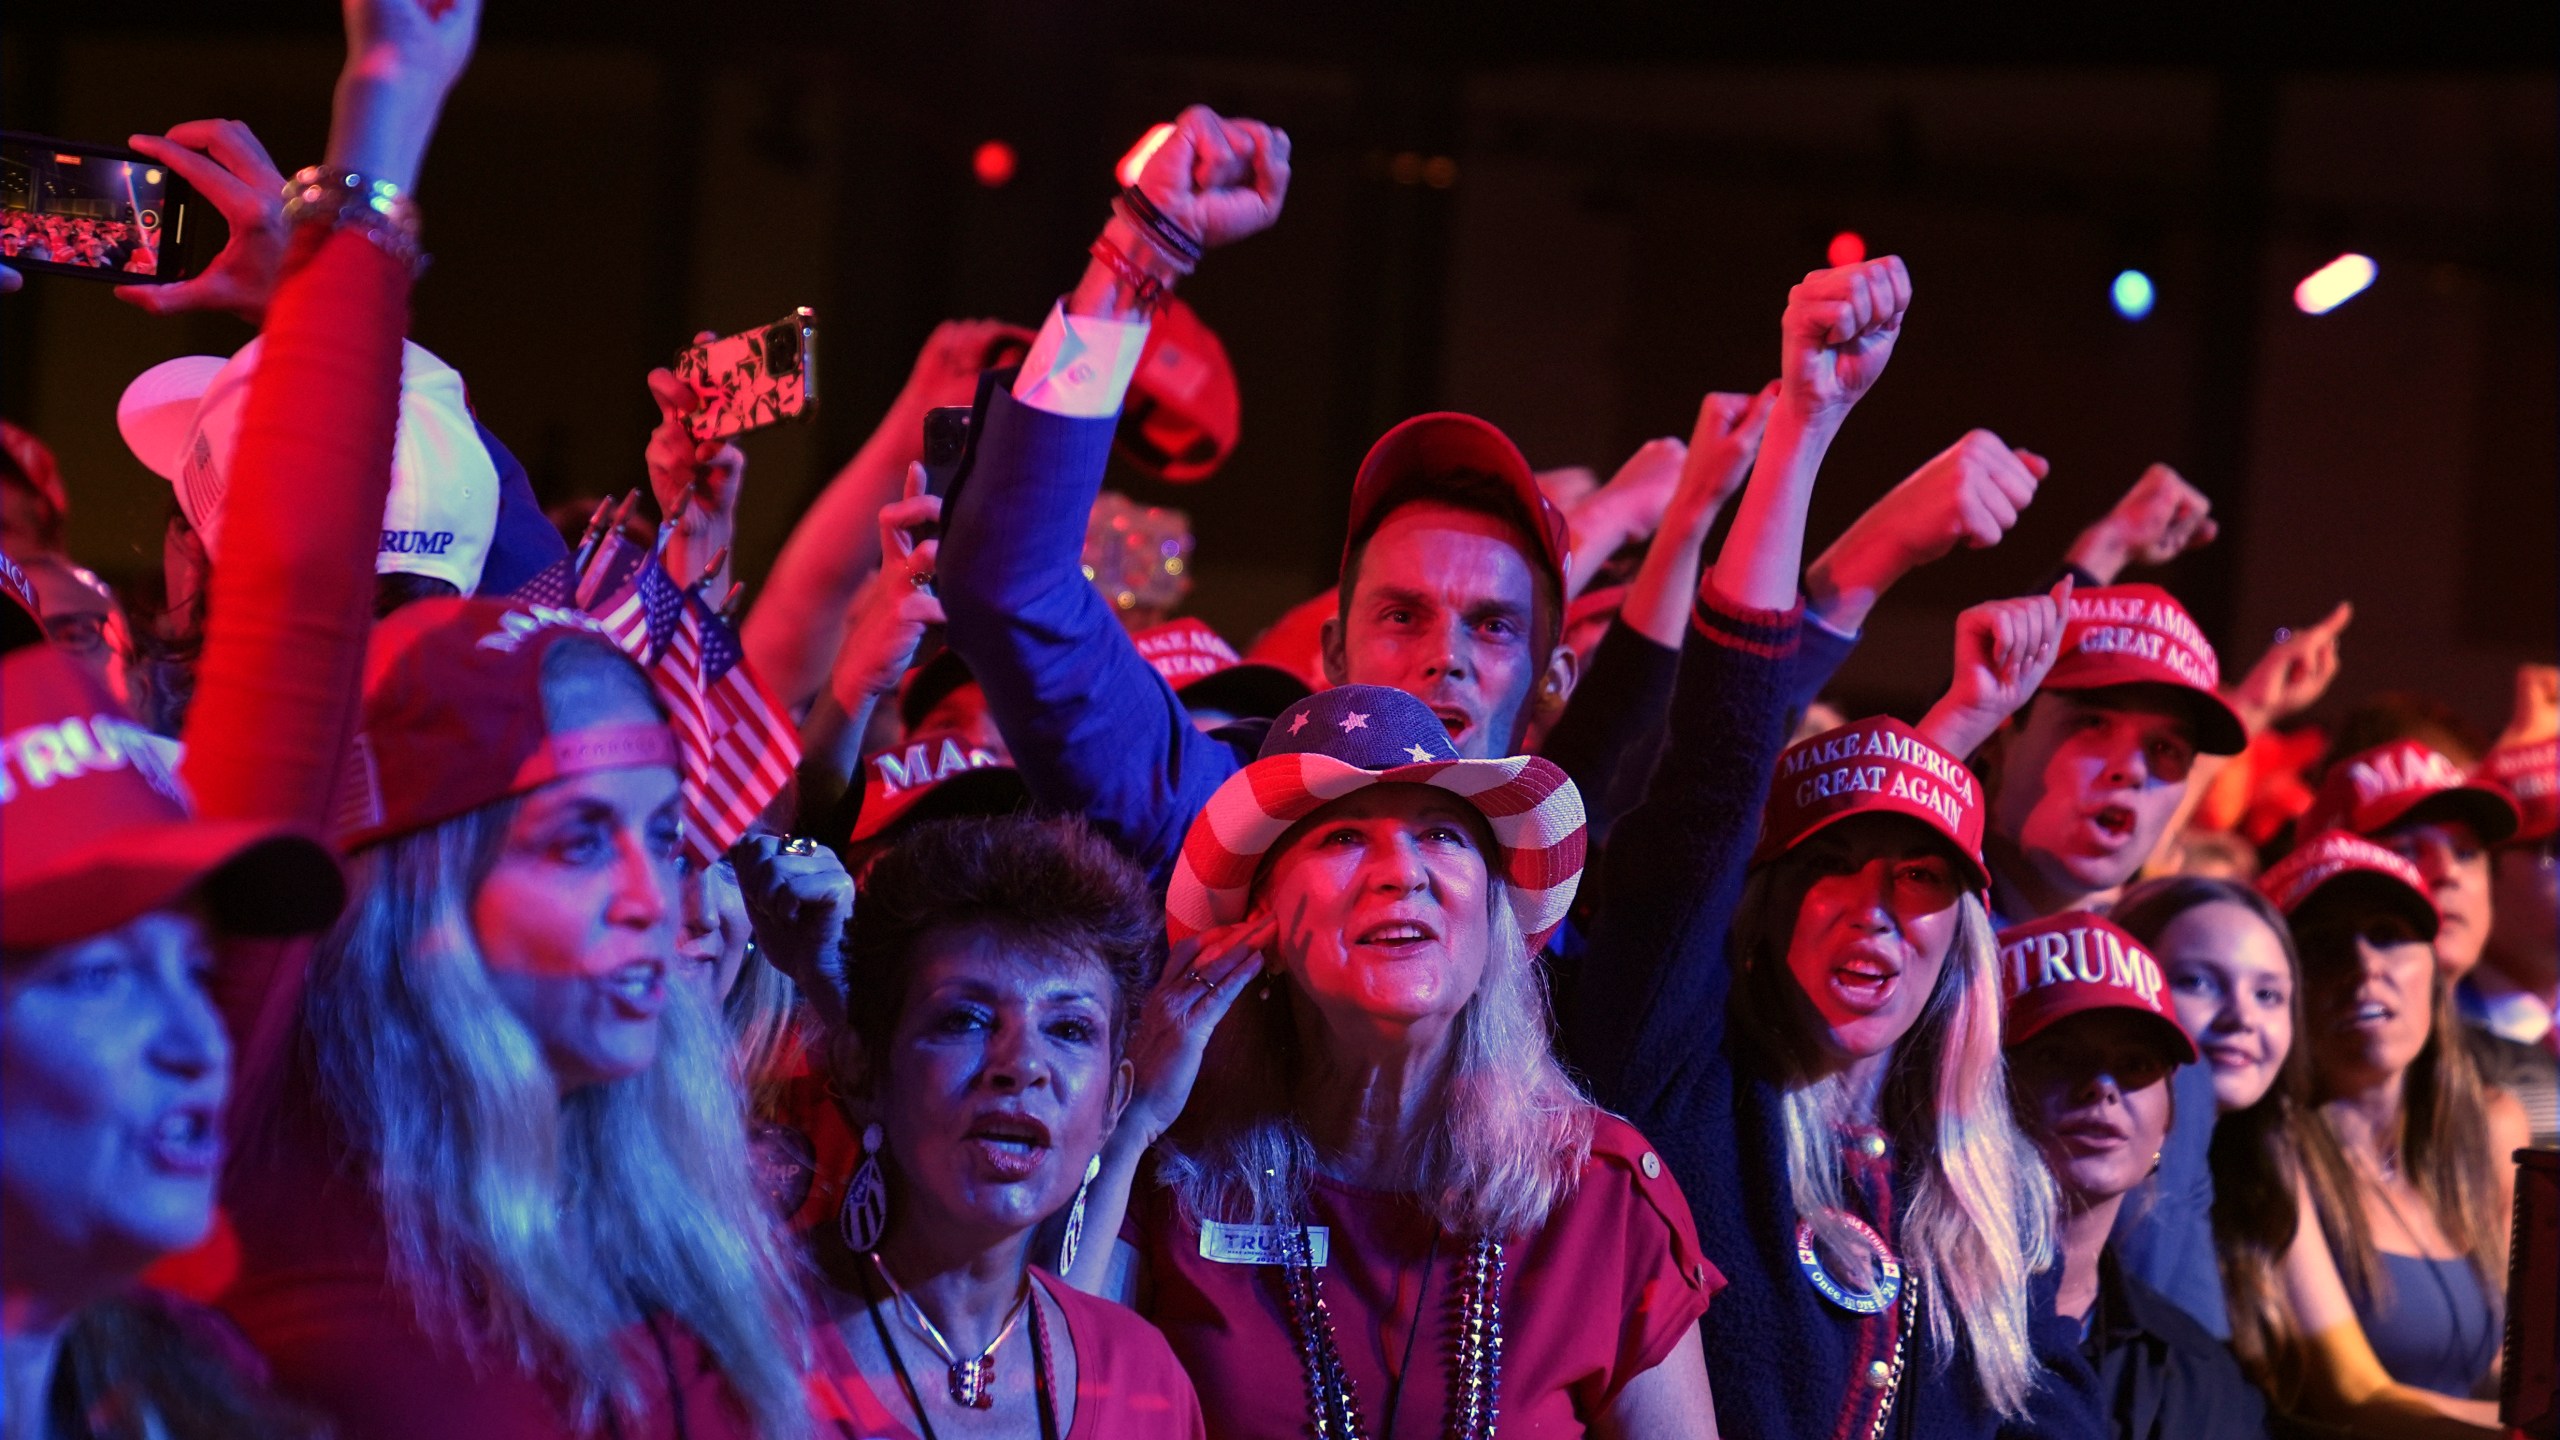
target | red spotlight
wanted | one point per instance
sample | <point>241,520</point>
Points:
<point>1846,248</point>
<point>993,163</point>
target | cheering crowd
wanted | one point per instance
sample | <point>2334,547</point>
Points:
<point>469,978</point>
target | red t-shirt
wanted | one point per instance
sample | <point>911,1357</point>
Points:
<point>1128,1385</point>
<point>1595,1298</point>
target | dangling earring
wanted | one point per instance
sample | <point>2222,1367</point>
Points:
<point>866,1198</point>
<point>1075,1218</point>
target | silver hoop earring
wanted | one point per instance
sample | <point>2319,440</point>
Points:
<point>865,1215</point>
<point>1075,1218</point>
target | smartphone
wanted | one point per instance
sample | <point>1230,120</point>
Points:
<point>946,440</point>
<point>100,213</point>
<point>754,378</point>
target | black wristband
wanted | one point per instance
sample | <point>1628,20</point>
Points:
<point>1181,243</point>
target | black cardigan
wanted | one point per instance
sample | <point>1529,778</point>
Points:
<point>1648,1030</point>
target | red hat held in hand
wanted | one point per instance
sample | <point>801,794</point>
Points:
<point>1184,412</point>
<point>2065,964</point>
<point>2407,783</point>
<point>2140,635</point>
<point>1872,767</point>
<point>95,831</point>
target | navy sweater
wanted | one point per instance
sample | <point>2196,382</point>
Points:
<point>1648,1030</point>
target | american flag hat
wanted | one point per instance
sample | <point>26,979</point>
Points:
<point>1340,741</point>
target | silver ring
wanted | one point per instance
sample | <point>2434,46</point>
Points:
<point>799,845</point>
<point>1205,980</point>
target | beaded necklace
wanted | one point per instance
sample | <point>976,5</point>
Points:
<point>1475,1362</point>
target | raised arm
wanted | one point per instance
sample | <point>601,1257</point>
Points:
<point>292,597</point>
<point>1837,335</point>
<point>2161,518</point>
<point>1091,726</point>
<point>798,620</point>
<point>1649,1012</point>
<point>1970,493</point>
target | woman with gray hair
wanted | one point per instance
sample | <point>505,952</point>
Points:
<point>1354,1225</point>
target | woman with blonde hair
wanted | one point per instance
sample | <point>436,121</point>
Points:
<point>495,1178</point>
<point>1388,1208</point>
<point>1810,1027</point>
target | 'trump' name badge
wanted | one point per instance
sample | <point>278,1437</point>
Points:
<point>1260,1244</point>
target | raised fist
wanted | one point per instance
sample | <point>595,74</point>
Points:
<point>2004,649</point>
<point>1723,444</point>
<point>2159,519</point>
<point>1970,493</point>
<point>1219,179</point>
<point>1838,333</point>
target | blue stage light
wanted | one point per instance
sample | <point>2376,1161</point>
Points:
<point>2132,294</point>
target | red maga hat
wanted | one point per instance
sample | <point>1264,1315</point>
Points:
<point>2064,965</point>
<point>1443,442</point>
<point>1205,671</point>
<point>2407,783</point>
<point>2530,774</point>
<point>1872,767</point>
<point>1184,411</point>
<point>453,717</point>
<point>2140,635</point>
<point>2338,865</point>
<point>934,777</point>
<point>96,831</point>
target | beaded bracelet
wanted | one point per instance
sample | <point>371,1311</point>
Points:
<point>1149,289</point>
<point>374,208</point>
<point>1179,245</point>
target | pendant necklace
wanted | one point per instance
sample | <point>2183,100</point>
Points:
<point>972,1379</point>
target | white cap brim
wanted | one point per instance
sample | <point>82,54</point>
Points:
<point>158,409</point>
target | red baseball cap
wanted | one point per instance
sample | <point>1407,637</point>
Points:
<point>2064,965</point>
<point>1184,411</point>
<point>1433,445</point>
<point>2338,864</point>
<point>934,777</point>
<point>1205,671</point>
<point>1872,767</point>
<point>2140,635</point>
<point>2405,783</point>
<point>453,717</point>
<point>2530,775</point>
<point>95,829</point>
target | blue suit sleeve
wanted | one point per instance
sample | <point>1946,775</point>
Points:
<point>1094,730</point>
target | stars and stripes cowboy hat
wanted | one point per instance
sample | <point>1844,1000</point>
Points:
<point>1346,739</point>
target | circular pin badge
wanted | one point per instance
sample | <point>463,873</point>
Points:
<point>1888,1267</point>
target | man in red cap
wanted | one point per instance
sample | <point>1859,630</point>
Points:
<point>2084,784</point>
<point>1454,573</point>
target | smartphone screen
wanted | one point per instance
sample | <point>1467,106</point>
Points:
<point>754,378</point>
<point>89,210</point>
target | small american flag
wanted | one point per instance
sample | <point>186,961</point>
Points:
<point>739,748</point>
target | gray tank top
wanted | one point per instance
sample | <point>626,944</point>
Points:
<point>2438,1331</point>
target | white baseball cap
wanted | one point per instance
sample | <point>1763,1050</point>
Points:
<point>181,419</point>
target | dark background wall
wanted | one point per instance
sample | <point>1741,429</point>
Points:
<point>1627,193</point>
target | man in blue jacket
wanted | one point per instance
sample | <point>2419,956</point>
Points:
<point>1453,580</point>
